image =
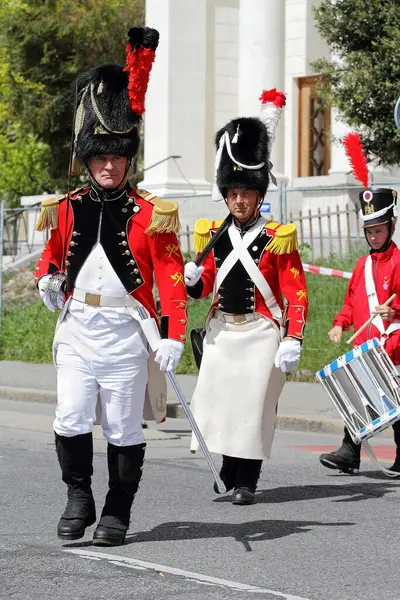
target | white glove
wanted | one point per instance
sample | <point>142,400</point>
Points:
<point>288,355</point>
<point>192,273</point>
<point>168,354</point>
<point>43,287</point>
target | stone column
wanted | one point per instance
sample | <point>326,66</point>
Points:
<point>176,99</point>
<point>262,61</point>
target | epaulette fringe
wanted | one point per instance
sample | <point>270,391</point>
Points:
<point>165,216</point>
<point>48,218</point>
<point>202,233</point>
<point>285,240</point>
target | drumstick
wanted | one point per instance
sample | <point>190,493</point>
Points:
<point>388,301</point>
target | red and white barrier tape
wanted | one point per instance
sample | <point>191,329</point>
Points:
<point>326,271</point>
<point>308,268</point>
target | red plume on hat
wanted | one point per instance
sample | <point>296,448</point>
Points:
<point>141,51</point>
<point>356,155</point>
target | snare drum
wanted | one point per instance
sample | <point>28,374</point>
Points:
<point>364,385</point>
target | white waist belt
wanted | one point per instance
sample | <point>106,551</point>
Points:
<point>237,319</point>
<point>99,300</point>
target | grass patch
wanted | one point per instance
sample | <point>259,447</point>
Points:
<point>26,333</point>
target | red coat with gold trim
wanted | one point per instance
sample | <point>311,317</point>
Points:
<point>137,232</point>
<point>355,310</point>
<point>274,251</point>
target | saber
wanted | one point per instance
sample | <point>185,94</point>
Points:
<point>182,400</point>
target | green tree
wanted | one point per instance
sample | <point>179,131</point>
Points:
<point>24,158</point>
<point>363,79</point>
<point>47,44</point>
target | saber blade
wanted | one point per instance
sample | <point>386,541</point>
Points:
<point>195,428</point>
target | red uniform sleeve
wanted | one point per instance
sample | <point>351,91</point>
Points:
<point>168,270</point>
<point>209,274</point>
<point>50,260</point>
<point>292,282</point>
<point>396,290</point>
<point>205,285</point>
<point>344,318</point>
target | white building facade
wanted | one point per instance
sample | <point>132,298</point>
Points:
<point>214,59</point>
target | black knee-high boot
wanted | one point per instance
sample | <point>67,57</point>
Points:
<point>228,472</point>
<point>75,455</point>
<point>125,466</point>
<point>346,459</point>
<point>246,480</point>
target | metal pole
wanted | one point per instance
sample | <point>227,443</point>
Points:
<point>1,251</point>
<point>280,200</point>
<point>192,422</point>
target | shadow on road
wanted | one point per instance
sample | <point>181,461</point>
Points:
<point>353,492</point>
<point>253,531</point>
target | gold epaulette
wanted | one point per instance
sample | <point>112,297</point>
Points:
<point>285,239</point>
<point>165,217</point>
<point>48,218</point>
<point>202,233</point>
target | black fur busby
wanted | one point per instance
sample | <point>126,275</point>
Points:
<point>245,140</point>
<point>378,206</point>
<point>110,100</point>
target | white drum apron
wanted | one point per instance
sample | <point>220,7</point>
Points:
<point>237,391</point>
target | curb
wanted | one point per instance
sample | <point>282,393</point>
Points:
<point>28,394</point>
<point>175,411</point>
<point>21,394</point>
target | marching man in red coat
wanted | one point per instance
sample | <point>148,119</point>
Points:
<point>107,243</point>
<point>375,278</point>
<point>253,263</point>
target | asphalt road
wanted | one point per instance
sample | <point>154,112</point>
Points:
<point>312,534</point>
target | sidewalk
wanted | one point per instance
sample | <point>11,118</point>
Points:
<point>302,406</point>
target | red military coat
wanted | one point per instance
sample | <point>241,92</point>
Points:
<point>355,310</point>
<point>120,222</point>
<point>279,262</point>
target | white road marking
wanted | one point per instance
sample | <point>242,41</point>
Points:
<point>199,577</point>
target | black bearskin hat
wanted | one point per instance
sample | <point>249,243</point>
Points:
<point>110,100</point>
<point>243,159</point>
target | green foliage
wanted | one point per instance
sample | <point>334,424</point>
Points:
<point>23,156</point>
<point>363,79</point>
<point>47,43</point>
<point>24,160</point>
<point>27,334</point>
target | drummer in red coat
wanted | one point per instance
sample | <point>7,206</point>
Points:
<point>108,245</point>
<point>375,278</point>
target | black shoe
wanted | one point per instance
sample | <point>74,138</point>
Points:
<point>336,460</point>
<point>110,531</point>
<point>395,467</point>
<point>228,486</point>
<point>228,473</point>
<point>243,495</point>
<point>74,529</point>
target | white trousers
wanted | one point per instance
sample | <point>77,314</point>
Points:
<point>106,361</point>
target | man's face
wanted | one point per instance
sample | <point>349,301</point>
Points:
<point>108,170</point>
<point>377,235</point>
<point>242,203</point>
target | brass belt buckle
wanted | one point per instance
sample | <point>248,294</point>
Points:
<point>92,299</point>
<point>239,319</point>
